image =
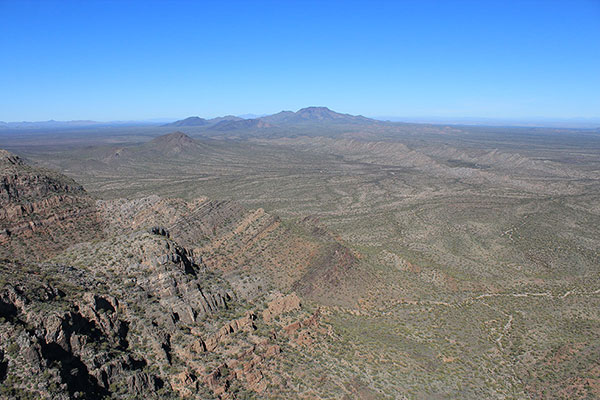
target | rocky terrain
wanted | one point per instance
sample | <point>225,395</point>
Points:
<point>168,299</point>
<point>41,212</point>
<point>341,260</point>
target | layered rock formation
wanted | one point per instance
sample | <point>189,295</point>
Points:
<point>145,298</point>
<point>41,212</point>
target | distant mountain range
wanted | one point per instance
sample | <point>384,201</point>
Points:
<point>46,124</point>
<point>305,117</point>
<point>309,115</point>
<point>256,123</point>
<point>53,125</point>
<point>197,121</point>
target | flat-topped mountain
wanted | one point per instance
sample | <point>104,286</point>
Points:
<point>316,115</point>
<point>283,119</point>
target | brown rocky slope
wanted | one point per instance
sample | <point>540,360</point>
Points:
<point>41,212</point>
<point>152,298</point>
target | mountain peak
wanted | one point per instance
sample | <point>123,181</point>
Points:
<point>318,113</point>
<point>190,121</point>
<point>224,118</point>
<point>177,135</point>
<point>315,114</point>
<point>172,138</point>
<point>315,109</point>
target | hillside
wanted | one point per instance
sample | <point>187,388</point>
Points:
<point>172,144</point>
<point>242,124</point>
<point>171,299</point>
<point>41,211</point>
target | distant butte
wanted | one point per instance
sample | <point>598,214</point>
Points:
<point>283,118</point>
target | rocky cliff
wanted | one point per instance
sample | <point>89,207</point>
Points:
<point>148,298</point>
<point>41,212</point>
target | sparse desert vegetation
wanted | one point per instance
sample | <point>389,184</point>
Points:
<point>442,262</point>
<point>183,217</point>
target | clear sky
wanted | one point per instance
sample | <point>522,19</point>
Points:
<point>126,60</point>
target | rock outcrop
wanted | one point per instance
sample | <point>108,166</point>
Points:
<point>139,298</point>
<point>281,304</point>
<point>41,212</point>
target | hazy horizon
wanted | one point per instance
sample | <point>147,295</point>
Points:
<point>535,121</point>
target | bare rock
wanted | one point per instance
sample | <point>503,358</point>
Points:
<point>281,304</point>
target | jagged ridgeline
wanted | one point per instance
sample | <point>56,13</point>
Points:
<point>155,297</point>
<point>41,211</point>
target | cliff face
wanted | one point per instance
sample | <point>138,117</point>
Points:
<point>140,316</point>
<point>41,212</point>
<point>147,298</point>
<point>108,325</point>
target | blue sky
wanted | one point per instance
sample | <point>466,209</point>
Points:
<point>126,60</point>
